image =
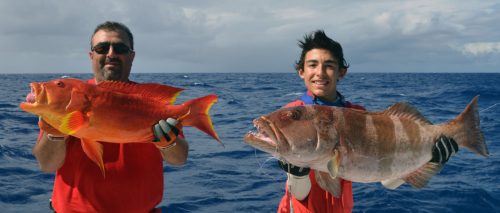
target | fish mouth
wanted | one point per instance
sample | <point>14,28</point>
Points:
<point>35,97</point>
<point>267,137</point>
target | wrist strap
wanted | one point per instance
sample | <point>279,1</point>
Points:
<point>170,146</point>
<point>56,138</point>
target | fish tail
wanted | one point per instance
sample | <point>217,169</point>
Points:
<point>198,116</point>
<point>465,129</point>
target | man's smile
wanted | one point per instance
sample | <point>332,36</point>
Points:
<point>320,82</point>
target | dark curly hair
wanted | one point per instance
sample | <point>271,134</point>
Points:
<point>319,40</point>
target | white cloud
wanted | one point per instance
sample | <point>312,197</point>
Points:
<point>293,13</point>
<point>480,48</point>
<point>250,35</point>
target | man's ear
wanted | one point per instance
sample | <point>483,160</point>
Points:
<point>301,73</point>
<point>132,56</point>
<point>342,72</point>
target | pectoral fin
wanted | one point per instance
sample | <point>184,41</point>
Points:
<point>332,165</point>
<point>72,122</point>
<point>93,150</point>
<point>326,182</point>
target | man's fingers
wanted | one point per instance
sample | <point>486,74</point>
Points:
<point>164,126</point>
<point>439,152</point>
<point>445,148</point>
<point>172,121</point>
<point>449,147</point>
<point>159,132</point>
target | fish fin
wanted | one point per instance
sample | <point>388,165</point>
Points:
<point>419,178</point>
<point>93,150</point>
<point>332,165</point>
<point>326,182</point>
<point>392,183</point>
<point>163,93</point>
<point>73,122</point>
<point>466,130</point>
<point>198,116</point>
<point>78,102</point>
<point>403,109</point>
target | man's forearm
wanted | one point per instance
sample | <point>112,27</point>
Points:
<point>50,154</point>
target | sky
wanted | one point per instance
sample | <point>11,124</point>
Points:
<point>53,36</point>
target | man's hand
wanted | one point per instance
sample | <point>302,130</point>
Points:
<point>165,132</point>
<point>50,149</point>
<point>292,169</point>
<point>52,133</point>
<point>444,148</point>
<point>48,128</point>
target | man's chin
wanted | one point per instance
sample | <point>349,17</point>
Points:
<point>112,74</point>
<point>320,93</point>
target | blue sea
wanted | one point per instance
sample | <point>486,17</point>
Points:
<point>238,178</point>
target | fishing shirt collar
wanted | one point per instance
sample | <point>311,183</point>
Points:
<point>309,98</point>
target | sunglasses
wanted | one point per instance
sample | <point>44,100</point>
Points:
<point>118,48</point>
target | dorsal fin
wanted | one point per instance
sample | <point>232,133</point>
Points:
<point>160,92</point>
<point>403,109</point>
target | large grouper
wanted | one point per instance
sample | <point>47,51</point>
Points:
<point>393,146</point>
<point>113,112</point>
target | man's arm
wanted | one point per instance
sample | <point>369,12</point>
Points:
<point>50,153</point>
<point>298,181</point>
<point>173,149</point>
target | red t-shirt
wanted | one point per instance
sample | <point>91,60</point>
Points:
<point>319,200</point>
<point>133,181</point>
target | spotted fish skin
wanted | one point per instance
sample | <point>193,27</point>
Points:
<point>393,146</point>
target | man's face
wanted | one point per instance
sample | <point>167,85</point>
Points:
<point>320,73</point>
<point>111,56</point>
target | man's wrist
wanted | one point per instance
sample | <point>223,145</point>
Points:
<point>170,146</point>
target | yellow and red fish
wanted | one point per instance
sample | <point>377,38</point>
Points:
<point>114,112</point>
<point>393,146</point>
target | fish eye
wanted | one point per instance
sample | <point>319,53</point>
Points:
<point>296,115</point>
<point>60,84</point>
<point>293,114</point>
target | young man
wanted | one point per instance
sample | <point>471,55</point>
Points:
<point>322,66</point>
<point>134,171</point>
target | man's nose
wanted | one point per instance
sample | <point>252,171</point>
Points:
<point>323,68</point>
<point>111,52</point>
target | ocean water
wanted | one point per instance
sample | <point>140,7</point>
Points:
<point>238,178</point>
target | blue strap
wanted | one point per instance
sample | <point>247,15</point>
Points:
<point>307,99</point>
